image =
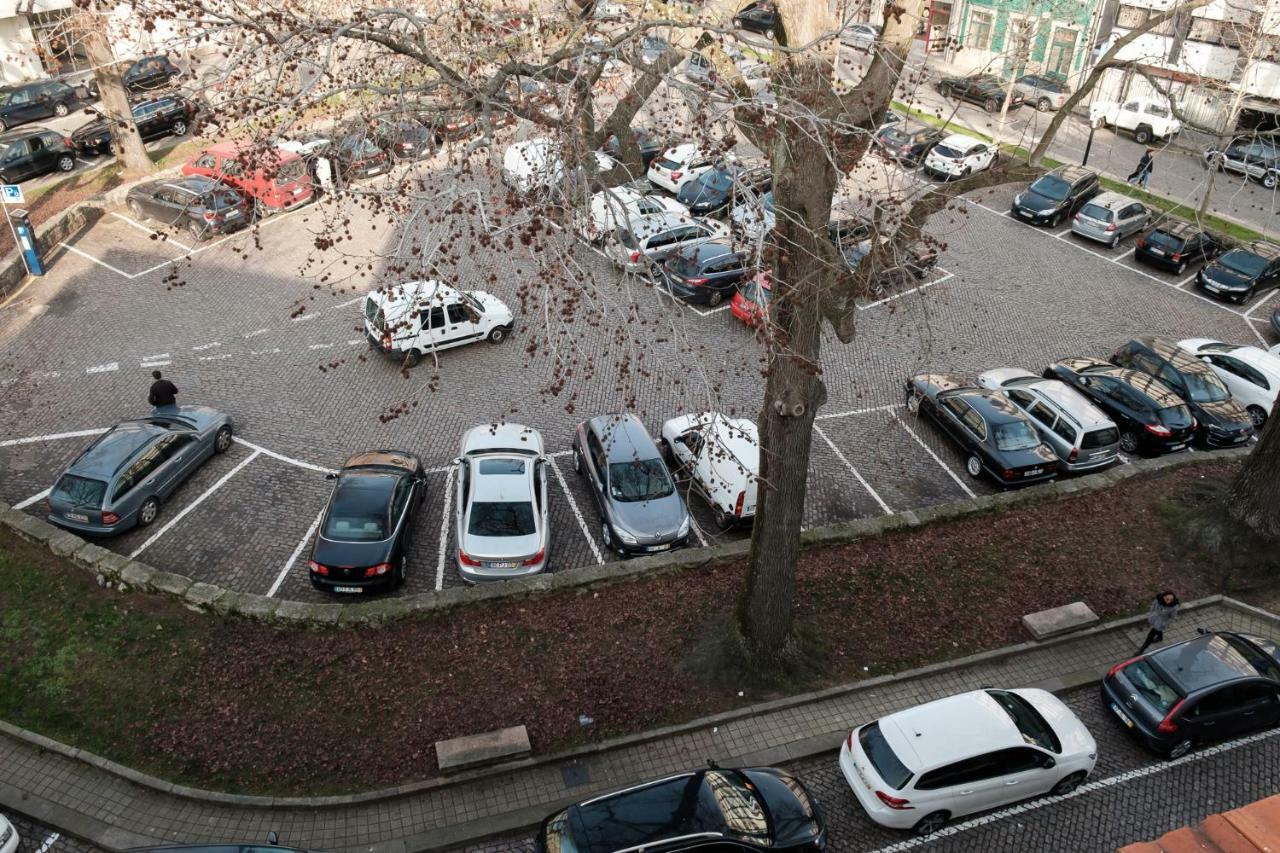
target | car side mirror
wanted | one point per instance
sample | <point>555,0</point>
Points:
<point>331,476</point>
<point>272,838</point>
<point>1084,380</point>
<point>456,460</point>
<point>1048,762</point>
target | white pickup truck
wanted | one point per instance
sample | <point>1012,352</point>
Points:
<point>1145,118</point>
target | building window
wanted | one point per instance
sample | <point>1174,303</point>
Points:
<point>978,32</point>
<point>1130,17</point>
<point>1062,51</point>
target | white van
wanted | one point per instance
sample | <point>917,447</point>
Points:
<point>408,321</point>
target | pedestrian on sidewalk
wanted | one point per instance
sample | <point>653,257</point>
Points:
<point>1142,175</point>
<point>1164,607</point>
<point>164,394</point>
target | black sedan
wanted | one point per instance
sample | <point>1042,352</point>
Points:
<point>718,809</point>
<point>717,188</point>
<point>365,532</point>
<point>994,435</point>
<point>985,90</point>
<point>707,273</point>
<point>166,116</point>
<point>1212,687</point>
<point>761,17</point>
<point>1151,417</point>
<point>200,205</point>
<point>403,138</point>
<point>1243,271</point>
<point>1220,420</point>
<point>907,144</point>
<point>1174,245</point>
<point>650,144</point>
<point>1055,195</point>
<point>358,155</point>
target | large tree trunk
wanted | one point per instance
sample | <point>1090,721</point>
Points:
<point>1253,498</point>
<point>125,141</point>
<point>804,181</point>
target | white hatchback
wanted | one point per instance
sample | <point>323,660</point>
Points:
<point>721,456</point>
<point>958,156</point>
<point>919,768</point>
<point>1252,375</point>
<point>679,165</point>
<point>613,208</point>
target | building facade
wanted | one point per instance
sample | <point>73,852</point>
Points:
<point>1014,37</point>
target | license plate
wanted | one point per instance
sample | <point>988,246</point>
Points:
<point>232,214</point>
<point>1031,472</point>
<point>657,547</point>
<point>1124,718</point>
<point>1178,446</point>
<point>1239,438</point>
<point>298,191</point>
<point>1155,251</point>
<point>376,170</point>
<point>348,589</point>
<point>509,564</point>
<point>78,516</point>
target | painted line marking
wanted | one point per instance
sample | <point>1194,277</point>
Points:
<point>693,525</point>
<point>282,458</point>
<point>1087,788</point>
<point>1118,258</point>
<point>345,304</point>
<point>444,527</point>
<point>573,505</point>
<point>186,509</point>
<point>49,842</point>
<point>924,286</point>
<point>888,408</point>
<point>293,558</point>
<point>256,332</point>
<point>927,449</point>
<point>1187,280</point>
<point>51,437</point>
<point>136,224</point>
<point>207,246</point>
<point>103,368</point>
<point>302,318</point>
<point>839,455</point>
<point>1260,303</point>
<point>1061,233</point>
<point>215,357</point>
<point>164,363</point>
<point>355,342</point>
<point>84,161</point>
<point>204,347</point>
<point>34,498</point>
<point>90,257</point>
<point>319,346</point>
<point>156,357</point>
<point>265,351</point>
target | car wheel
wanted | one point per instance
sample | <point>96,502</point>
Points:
<point>973,465</point>
<point>222,441</point>
<point>931,823</point>
<point>135,210</point>
<point>1142,135</point>
<point>197,231</point>
<point>577,461</point>
<point>965,173</point>
<point>3,125</point>
<point>723,519</point>
<point>769,34</point>
<point>60,110</point>
<point>497,335</point>
<point>412,357</point>
<point>148,511</point>
<point>1180,268</point>
<point>1258,415</point>
<point>1179,749</point>
<point>1129,441</point>
<point>1270,180</point>
<point>714,298</point>
<point>1248,295</point>
<point>991,105</point>
<point>66,162</point>
<point>913,402</point>
<point>1115,241</point>
<point>179,128</point>
<point>945,91</point>
<point>1067,784</point>
<point>1043,105</point>
<point>607,535</point>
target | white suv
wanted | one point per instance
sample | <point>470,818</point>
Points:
<point>1145,118</point>
<point>679,165</point>
<point>919,768</point>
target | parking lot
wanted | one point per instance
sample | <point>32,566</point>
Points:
<point>267,326</point>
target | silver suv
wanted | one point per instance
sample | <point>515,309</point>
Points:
<point>646,241</point>
<point>1080,433</point>
<point>1109,218</point>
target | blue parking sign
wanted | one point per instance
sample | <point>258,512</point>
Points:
<point>11,194</point>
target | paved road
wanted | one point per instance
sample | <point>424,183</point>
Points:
<point>1131,796</point>
<point>36,837</point>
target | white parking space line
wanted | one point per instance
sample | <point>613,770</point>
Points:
<point>1061,233</point>
<point>84,161</point>
<point>256,332</point>
<point>282,458</point>
<point>927,449</point>
<point>867,411</point>
<point>1083,790</point>
<point>1118,258</point>
<point>884,506</point>
<point>155,363</point>
<point>204,247</point>
<point>35,439</point>
<point>29,501</point>
<point>444,528</point>
<point>1260,303</point>
<point>90,257</point>
<point>1187,280</point>
<point>345,304</point>
<point>577,513</point>
<point>136,224</point>
<point>195,503</point>
<point>293,558</point>
<point>49,842</point>
<point>925,286</point>
<point>103,368</point>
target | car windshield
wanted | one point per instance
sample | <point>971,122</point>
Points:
<point>475,303</point>
<point>1100,438</point>
<point>5,147</point>
<point>655,43</point>
<point>720,180</point>
<point>1051,187</point>
<point>882,757</point>
<point>947,151</point>
<point>291,171</point>
<point>1205,387</point>
<point>1095,211</point>
<point>360,511</point>
<point>220,199</point>
<point>754,293</point>
<point>1152,686</point>
<point>639,480</point>
<point>685,263</point>
<point>1158,111</point>
<point>743,812</point>
<point>80,491</point>
<point>501,518</point>
<point>1034,728</point>
<point>894,135</point>
<point>1164,240</point>
<point>1016,435</point>
<point>1243,262</point>
<point>666,163</point>
<point>5,96</point>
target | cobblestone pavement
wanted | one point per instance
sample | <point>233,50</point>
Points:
<point>36,837</point>
<point>267,325</point>
<point>1131,796</point>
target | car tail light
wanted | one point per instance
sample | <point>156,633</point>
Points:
<point>696,281</point>
<point>896,803</point>
<point>378,570</point>
<point>1167,725</point>
<point>848,744</point>
<point>386,341</point>
<point>535,559</point>
<point>403,146</point>
<point>1158,429</point>
<point>1008,473</point>
<point>1195,424</point>
<point>1077,217</point>
<point>675,176</point>
<point>210,216</point>
<point>317,568</point>
<point>466,559</point>
<point>67,141</point>
<point>1111,672</point>
<point>635,257</point>
<point>1142,242</point>
<point>737,507</point>
<point>110,518</point>
<point>1074,455</point>
<point>1111,227</point>
<point>1177,256</point>
<point>453,125</point>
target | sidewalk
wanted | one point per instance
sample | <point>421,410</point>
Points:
<point>115,808</point>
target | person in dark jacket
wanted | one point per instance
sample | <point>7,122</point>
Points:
<point>1163,608</point>
<point>163,392</point>
<point>1142,175</point>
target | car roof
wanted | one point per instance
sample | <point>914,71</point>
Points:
<point>1177,357</point>
<point>655,223</point>
<point>994,406</point>
<point>503,438</point>
<point>1147,384</point>
<point>1204,661</point>
<point>383,458</point>
<point>947,730</point>
<point>664,808</point>
<point>958,140</point>
<point>501,487</point>
<point>29,130</point>
<point>706,252</point>
<point>1263,249</point>
<point>624,438</point>
<point>1179,229</point>
<point>118,445</point>
<point>1085,413</point>
<point>683,151</point>
<point>430,291</point>
<point>1072,174</point>
<point>236,148</point>
<point>1110,200</point>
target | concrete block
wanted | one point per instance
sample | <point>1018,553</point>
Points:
<point>200,595</point>
<point>257,606</point>
<point>170,584</point>
<point>65,543</point>
<point>137,575</point>
<point>110,564</point>
<point>1059,620</point>
<point>486,748</point>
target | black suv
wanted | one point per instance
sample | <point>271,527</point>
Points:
<point>761,17</point>
<point>1174,245</point>
<point>1242,272</point>
<point>1211,687</point>
<point>1151,417</point>
<point>146,75</point>
<point>158,117</point>
<point>33,152</point>
<point>31,101</point>
<point>1055,195</point>
<point>1220,420</point>
<point>985,90</point>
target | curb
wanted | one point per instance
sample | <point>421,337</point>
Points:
<point>130,574</point>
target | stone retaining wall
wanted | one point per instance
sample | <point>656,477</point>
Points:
<point>132,575</point>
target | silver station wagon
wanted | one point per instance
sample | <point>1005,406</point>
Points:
<point>122,479</point>
<point>1080,434</point>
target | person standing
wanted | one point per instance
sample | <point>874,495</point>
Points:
<point>163,392</point>
<point>1164,607</point>
<point>1142,175</point>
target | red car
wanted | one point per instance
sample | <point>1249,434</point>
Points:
<point>274,178</point>
<point>751,303</point>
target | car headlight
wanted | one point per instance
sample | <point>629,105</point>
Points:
<point>626,538</point>
<point>1017,199</point>
<point>684,528</point>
